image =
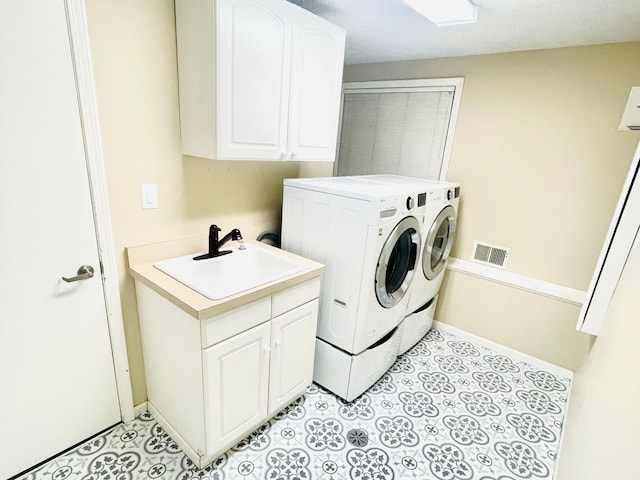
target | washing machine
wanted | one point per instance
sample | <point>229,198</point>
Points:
<point>438,234</point>
<point>368,235</point>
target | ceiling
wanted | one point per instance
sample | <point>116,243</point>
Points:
<point>389,30</point>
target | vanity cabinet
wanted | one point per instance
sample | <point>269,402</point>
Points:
<point>211,382</point>
<point>252,376</point>
<point>258,80</point>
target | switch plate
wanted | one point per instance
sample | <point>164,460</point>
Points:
<point>149,193</point>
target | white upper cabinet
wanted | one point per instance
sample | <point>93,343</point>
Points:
<point>258,80</point>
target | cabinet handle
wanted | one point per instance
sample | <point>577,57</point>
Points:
<point>283,155</point>
<point>267,349</point>
<point>278,343</point>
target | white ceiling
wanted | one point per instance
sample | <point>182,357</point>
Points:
<point>389,30</point>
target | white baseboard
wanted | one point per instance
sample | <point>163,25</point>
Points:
<point>542,364</point>
<point>140,409</point>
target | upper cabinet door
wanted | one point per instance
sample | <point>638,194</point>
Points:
<point>318,58</point>
<point>254,61</point>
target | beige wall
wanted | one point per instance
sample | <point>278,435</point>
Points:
<point>541,164</point>
<point>534,324</point>
<point>601,439</point>
<point>133,47</point>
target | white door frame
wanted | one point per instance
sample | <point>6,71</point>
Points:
<point>85,86</point>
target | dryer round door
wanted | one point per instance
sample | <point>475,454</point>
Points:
<point>439,242</point>
<point>397,262</point>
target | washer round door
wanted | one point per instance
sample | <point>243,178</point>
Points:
<point>397,262</point>
<point>439,242</point>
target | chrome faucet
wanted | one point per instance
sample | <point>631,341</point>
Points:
<point>215,244</point>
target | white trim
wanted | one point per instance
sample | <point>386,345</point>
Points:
<point>622,232</point>
<point>529,284</point>
<point>534,361</point>
<point>140,409</point>
<point>420,84</point>
<point>563,430</point>
<point>453,84</point>
<point>453,120</point>
<point>79,38</point>
<point>363,87</point>
<point>197,457</point>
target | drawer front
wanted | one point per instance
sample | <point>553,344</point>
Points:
<point>228,324</point>
<point>290,298</point>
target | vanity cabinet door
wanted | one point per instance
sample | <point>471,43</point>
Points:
<point>293,336</point>
<point>236,376</point>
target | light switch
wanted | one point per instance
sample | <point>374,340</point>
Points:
<point>149,193</point>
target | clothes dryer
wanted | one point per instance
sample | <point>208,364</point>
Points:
<point>369,237</point>
<point>438,234</point>
<point>440,223</point>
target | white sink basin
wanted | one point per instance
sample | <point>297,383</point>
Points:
<point>241,270</point>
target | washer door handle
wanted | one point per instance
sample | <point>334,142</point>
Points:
<point>413,255</point>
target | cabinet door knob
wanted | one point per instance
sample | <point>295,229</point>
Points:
<point>267,349</point>
<point>278,342</point>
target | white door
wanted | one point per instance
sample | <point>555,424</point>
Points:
<point>293,341</point>
<point>236,379</point>
<point>57,378</point>
<point>316,86</point>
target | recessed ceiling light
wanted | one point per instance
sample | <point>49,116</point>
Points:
<point>446,12</point>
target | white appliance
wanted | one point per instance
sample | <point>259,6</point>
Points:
<point>439,230</point>
<point>438,233</point>
<point>368,235</point>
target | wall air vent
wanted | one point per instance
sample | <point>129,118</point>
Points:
<point>489,254</point>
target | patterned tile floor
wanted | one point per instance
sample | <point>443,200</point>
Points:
<point>447,410</point>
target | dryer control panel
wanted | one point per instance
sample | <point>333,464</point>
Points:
<point>401,205</point>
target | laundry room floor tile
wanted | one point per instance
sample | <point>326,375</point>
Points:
<point>448,409</point>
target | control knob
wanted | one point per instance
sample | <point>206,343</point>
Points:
<point>410,203</point>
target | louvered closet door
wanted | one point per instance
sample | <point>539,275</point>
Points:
<point>394,132</point>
